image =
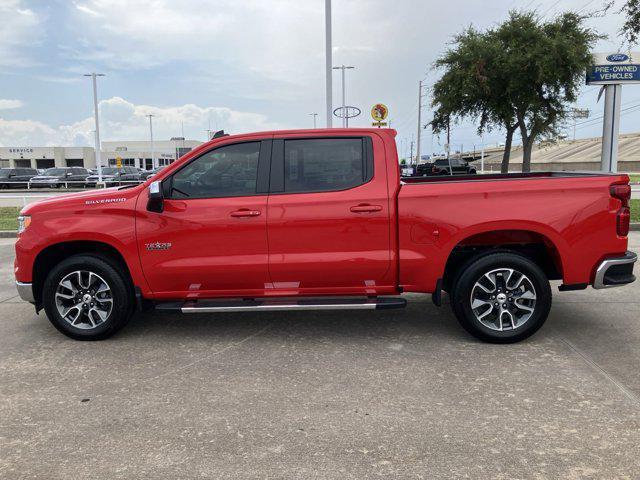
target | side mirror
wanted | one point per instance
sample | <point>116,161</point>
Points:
<point>155,203</point>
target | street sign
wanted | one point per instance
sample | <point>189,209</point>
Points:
<point>379,124</point>
<point>379,112</point>
<point>614,68</point>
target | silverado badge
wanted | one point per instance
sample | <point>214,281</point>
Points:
<point>158,246</point>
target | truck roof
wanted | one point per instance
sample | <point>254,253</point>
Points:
<point>315,131</point>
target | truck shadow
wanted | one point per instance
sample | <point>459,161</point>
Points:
<point>420,318</point>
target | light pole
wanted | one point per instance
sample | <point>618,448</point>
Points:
<point>153,153</point>
<point>328,61</point>
<point>93,76</point>
<point>314,115</point>
<point>345,120</point>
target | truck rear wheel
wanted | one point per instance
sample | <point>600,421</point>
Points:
<point>501,297</point>
<point>86,297</point>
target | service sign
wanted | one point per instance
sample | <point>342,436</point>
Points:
<point>614,68</point>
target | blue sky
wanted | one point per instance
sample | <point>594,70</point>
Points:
<point>242,66</point>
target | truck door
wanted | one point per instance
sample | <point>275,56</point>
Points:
<point>328,215</point>
<point>211,238</point>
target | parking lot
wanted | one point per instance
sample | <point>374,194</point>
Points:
<point>405,394</point>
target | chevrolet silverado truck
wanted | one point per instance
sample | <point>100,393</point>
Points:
<point>321,220</point>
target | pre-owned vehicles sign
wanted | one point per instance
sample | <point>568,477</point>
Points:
<point>614,68</point>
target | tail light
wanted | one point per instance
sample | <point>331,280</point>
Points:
<point>622,192</point>
<point>622,221</point>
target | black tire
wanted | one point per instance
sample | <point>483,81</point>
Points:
<point>121,291</point>
<point>474,270</point>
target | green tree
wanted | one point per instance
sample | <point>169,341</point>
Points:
<point>522,74</point>
<point>631,27</point>
<point>473,85</point>
<point>631,10</point>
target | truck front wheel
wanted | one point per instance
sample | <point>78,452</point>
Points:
<point>501,297</point>
<point>86,297</point>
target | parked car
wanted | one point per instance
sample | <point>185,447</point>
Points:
<point>441,167</point>
<point>113,176</point>
<point>16,177</point>
<point>60,177</point>
<point>312,219</point>
<point>150,173</point>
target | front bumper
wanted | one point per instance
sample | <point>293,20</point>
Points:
<point>615,272</point>
<point>25,290</point>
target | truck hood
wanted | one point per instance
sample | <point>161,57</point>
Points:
<point>90,198</point>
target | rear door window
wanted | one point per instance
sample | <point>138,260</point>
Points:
<point>325,164</point>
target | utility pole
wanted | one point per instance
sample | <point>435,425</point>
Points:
<point>411,153</point>
<point>345,120</point>
<point>153,153</point>
<point>577,113</point>
<point>314,115</point>
<point>328,62</point>
<point>95,113</point>
<point>419,121</point>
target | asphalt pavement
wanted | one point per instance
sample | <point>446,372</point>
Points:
<point>328,395</point>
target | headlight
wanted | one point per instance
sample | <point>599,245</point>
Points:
<point>23,222</point>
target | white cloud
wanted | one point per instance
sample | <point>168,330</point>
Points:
<point>20,28</point>
<point>281,41</point>
<point>122,120</point>
<point>6,104</point>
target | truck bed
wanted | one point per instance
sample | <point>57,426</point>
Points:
<point>504,176</point>
<point>572,212</point>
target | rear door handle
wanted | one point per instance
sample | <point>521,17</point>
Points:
<point>245,212</point>
<point>365,208</point>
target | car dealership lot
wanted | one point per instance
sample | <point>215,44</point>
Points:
<point>404,394</point>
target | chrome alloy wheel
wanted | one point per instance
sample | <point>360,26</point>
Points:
<point>503,299</point>
<point>84,300</point>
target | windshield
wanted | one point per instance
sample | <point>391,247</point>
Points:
<point>4,172</point>
<point>54,172</point>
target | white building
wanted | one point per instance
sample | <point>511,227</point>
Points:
<point>138,153</point>
<point>47,157</point>
<point>134,153</point>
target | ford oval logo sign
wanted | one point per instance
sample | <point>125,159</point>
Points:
<point>617,57</point>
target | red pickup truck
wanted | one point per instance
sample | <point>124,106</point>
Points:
<point>320,219</point>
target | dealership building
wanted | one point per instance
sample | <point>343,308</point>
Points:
<point>47,157</point>
<point>138,153</point>
<point>131,153</point>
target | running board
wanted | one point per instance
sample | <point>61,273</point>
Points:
<point>277,304</point>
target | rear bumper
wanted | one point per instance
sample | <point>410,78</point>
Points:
<point>615,272</point>
<point>25,290</point>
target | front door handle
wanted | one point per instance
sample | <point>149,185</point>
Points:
<point>365,208</point>
<point>245,212</point>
